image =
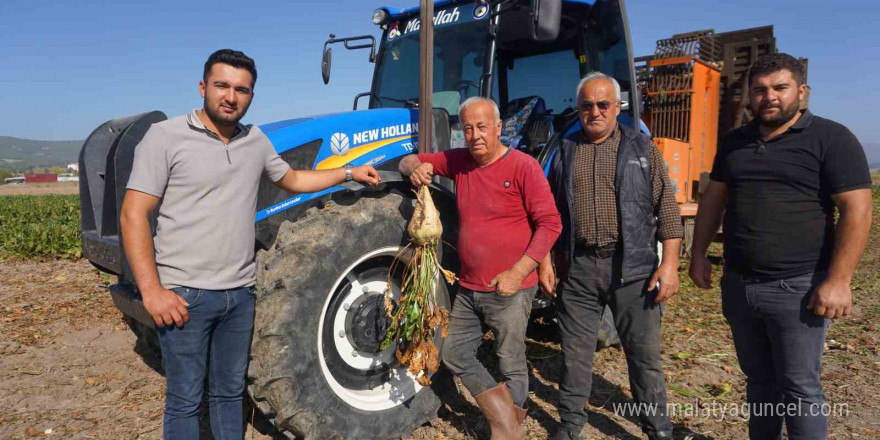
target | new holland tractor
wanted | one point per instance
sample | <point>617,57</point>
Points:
<point>323,259</point>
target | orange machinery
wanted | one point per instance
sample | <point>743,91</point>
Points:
<point>684,93</point>
<point>695,91</point>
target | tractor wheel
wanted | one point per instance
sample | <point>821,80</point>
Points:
<point>316,368</point>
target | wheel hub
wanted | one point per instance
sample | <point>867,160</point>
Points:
<point>352,327</point>
<point>366,322</point>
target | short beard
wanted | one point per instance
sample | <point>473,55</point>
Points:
<point>785,114</point>
<point>217,118</point>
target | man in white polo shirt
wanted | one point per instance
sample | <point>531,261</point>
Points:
<point>202,171</point>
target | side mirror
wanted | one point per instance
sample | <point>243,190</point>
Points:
<point>545,16</point>
<point>624,100</point>
<point>325,64</point>
<point>349,43</point>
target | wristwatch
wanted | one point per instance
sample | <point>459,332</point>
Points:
<point>348,168</point>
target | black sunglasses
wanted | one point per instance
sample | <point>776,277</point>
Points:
<point>588,106</point>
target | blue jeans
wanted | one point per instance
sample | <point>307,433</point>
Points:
<point>779,343</point>
<point>220,325</point>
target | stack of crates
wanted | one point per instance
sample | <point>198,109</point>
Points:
<point>682,107</point>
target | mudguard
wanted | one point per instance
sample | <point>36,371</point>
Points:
<point>105,165</point>
<point>379,137</point>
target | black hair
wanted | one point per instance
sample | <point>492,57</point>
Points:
<point>233,58</point>
<point>767,64</point>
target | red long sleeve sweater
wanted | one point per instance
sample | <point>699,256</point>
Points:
<point>505,209</point>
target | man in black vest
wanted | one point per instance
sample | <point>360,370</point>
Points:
<point>776,182</point>
<point>615,199</point>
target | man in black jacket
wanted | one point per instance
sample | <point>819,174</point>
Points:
<point>615,199</point>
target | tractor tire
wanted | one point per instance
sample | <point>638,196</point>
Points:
<point>316,368</point>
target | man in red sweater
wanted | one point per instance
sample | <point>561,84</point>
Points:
<point>507,224</point>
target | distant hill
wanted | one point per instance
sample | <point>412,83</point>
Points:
<point>24,154</point>
<point>872,150</point>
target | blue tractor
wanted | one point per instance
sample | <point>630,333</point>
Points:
<point>323,259</point>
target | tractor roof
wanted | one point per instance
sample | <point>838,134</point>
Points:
<point>397,13</point>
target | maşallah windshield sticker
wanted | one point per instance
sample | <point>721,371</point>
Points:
<point>441,18</point>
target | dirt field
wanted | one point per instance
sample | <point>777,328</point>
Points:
<point>34,189</point>
<point>70,368</point>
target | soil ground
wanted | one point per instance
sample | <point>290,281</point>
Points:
<point>70,367</point>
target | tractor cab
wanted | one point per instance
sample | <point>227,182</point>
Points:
<point>493,50</point>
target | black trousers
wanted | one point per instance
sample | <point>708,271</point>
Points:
<point>593,282</point>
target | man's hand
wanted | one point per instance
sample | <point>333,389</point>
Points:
<point>701,271</point>
<point>366,174</point>
<point>508,282</point>
<point>667,275</point>
<point>547,278</point>
<point>422,174</point>
<point>832,299</point>
<point>166,307</point>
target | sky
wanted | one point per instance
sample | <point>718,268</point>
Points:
<point>68,66</point>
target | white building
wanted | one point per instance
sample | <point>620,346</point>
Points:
<point>73,167</point>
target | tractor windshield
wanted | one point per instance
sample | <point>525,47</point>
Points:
<point>460,41</point>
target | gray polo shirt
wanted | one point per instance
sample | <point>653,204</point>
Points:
<point>208,190</point>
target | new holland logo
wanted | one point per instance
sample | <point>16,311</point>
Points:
<point>339,144</point>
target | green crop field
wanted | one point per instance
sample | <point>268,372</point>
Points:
<point>39,227</point>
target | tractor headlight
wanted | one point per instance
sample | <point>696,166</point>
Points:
<point>380,16</point>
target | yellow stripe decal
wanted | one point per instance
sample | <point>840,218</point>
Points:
<point>354,153</point>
